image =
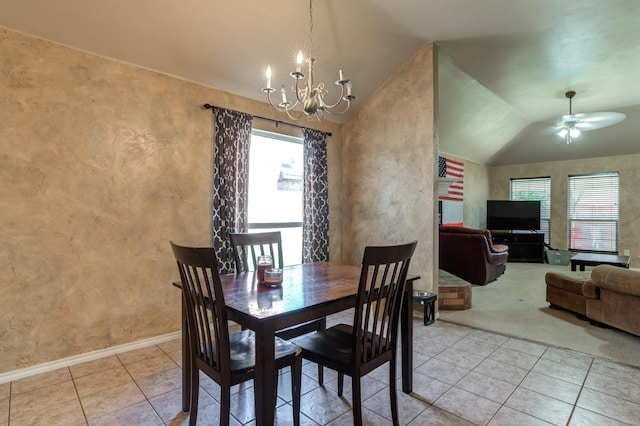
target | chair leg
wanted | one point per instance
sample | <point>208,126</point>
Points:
<point>322,325</point>
<point>225,405</point>
<point>357,400</point>
<point>296,384</point>
<point>275,386</point>
<point>195,390</point>
<point>320,375</point>
<point>340,383</point>
<point>393,395</point>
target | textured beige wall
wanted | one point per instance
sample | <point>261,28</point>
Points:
<point>627,166</point>
<point>389,156</point>
<point>476,192</point>
<point>102,164</point>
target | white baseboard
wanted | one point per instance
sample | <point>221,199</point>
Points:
<point>89,356</point>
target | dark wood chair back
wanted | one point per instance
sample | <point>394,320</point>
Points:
<point>248,246</point>
<point>205,307</point>
<point>380,294</point>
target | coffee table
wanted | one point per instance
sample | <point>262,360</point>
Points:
<point>594,259</point>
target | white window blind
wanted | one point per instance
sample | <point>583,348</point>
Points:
<point>593,212</point>
<point>535,189</point>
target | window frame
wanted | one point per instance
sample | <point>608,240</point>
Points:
<point>595,216</point>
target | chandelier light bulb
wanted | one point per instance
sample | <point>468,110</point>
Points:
<point>283,91</point>
<point>299,60</point>
<point>268,77</point>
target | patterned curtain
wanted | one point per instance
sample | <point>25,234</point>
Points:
<point>230,180</point>
<point>315,225</point>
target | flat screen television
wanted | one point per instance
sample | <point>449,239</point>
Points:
<point>506,215</point>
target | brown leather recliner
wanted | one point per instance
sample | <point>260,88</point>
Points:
<point>470,254</point>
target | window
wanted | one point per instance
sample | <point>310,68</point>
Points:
<point>535,189</point>
<point>593,212</point>
<point>275,189</point>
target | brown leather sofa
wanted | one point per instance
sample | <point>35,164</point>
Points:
<point>611,295</point>
<point>567,290</point>
<point>470,254</point>
<point>619,301</point>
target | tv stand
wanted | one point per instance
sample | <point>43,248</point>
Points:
<point>524,246</point>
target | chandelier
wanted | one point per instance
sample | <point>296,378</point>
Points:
<point>312,99</point>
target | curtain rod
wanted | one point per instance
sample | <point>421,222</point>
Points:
<point>209,106</point>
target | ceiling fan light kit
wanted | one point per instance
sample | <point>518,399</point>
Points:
<point>569,131</point>
<point>571,126</point>
<point>312,99</point>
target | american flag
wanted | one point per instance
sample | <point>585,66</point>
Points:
<point>452,169</point>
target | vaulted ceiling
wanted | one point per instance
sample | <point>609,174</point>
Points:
<point>504,64</point>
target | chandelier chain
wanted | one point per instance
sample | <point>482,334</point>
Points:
<point>310,28</point>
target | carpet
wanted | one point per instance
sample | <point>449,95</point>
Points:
<point>514,305</point>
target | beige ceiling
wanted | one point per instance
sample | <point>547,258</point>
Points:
<point>504,68</point>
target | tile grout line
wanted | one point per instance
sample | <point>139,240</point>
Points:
<point>575,404</point>
<point>75,387</point>
<point>502,405</point>
<point>138,386</point>
<point>9,409</point>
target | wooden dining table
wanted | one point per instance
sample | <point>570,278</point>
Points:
<point>309,291</point>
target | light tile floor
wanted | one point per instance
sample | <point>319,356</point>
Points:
<point>462,376</point>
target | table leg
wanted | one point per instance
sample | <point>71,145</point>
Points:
<point>406,334</point>
<point>265,377</point>
<point>573,266</point>
<point>186,363</point>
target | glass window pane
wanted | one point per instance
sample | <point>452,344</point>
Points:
<point>275,190</point>
<point>275,180</point>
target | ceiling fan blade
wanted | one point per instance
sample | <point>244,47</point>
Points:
<point>590,120</point>
<point>598,120</point>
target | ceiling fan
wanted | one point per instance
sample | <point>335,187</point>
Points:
<point>571,126</point>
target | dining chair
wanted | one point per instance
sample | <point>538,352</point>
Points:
<point>371,341</point>
<point>246,249</point>
<point>226,358</point>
